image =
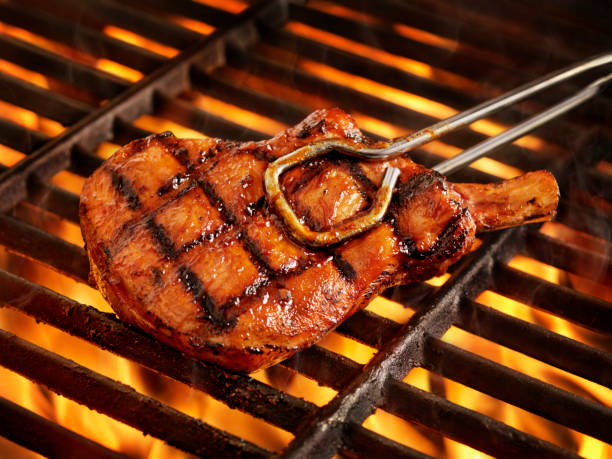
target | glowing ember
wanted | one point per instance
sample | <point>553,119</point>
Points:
<point>119,70</point>
<point>425,37</point>
<point>343,11</point>
<point>231,6</point>
<point>25,74</point>
<point>196,26</point>
<point>29,119</point>
<point>239,115</point>
<point>45,43</point>
<point>376,54</point>
<point>9,157</point>
<point>139,40</point>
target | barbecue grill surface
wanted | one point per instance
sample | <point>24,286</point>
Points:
<point>278,60</point>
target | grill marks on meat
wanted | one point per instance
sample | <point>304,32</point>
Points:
<point>183,244</point>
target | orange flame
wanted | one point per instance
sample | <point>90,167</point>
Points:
<point>516,417</point>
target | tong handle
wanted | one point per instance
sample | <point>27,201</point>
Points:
<point>471,154</point>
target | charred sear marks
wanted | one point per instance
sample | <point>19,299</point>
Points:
<point>231,221</point>
<point>194,286</point>
<point>308,130</point>
<point>182,156</point>
<point>107,252</point>
<point>123,185</point>
<point>205,237</point>
<point>449,241</point>
<point>163,135</point>
<point>164,242</point>
<point>345,268</point>
<point>380,283</point>
<point>253,207</point>
<point>366,186</point>
<point>173,184</point>
<point>307,171</point>
<point>228,217</point>
<point>255,254</point>
<point>158,279</point>
<point>417,184</point>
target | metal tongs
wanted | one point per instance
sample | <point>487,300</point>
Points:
<point>402,145</point>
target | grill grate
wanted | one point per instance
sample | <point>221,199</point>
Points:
<point>279,60</point>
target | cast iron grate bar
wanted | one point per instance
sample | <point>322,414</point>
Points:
<point>366,444</point>
<point>583,218</point>
<point>96,12</point>
<point>322,434</point>
<point>369,328</point>
<point>537,342</point>
<point>588,14</point>
<point>43,247</point>
<point>466,426</point>
<point>42,101</point>
<point>598,183</point>
<point>54,199</point>
<point>184,113</point>
<point>363,443</point>
<point>82,162</point>
<point>190,9</point>
<point>518,389</point>
<point>106,331</point>
<point>529,339</point>
<point>124,132</point>
<point>51,198</point>
<point>20,138</point>
<point>171,79</point>
<point>376,107</point>
<point>484,433</point>
<point>593,312</point>
<point>101,84</point>
<point>46,437</point>
<point>325,367</point>
<point>568,257</point>
<point>217,85</point>
<point>542,31</point>
<point>91,42</point>
<point>123,403</point>
<point>363,66</point>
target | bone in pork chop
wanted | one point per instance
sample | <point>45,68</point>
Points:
<point>182,242</point>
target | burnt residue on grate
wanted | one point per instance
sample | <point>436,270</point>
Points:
<point>280,60</point>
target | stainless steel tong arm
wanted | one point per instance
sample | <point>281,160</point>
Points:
<point>402,145</point>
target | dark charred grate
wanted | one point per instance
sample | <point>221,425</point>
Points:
<point>498,46</point>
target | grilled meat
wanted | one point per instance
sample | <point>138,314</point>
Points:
<point>183,244</point>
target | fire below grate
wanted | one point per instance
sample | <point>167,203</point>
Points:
<point>80,78</point>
